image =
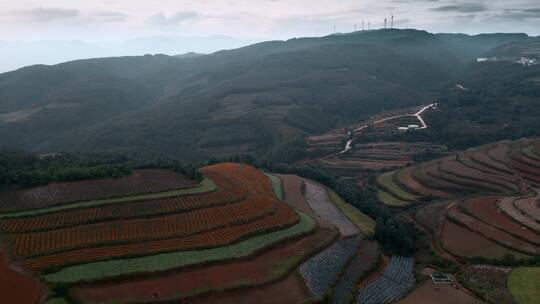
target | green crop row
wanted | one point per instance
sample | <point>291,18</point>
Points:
<point>164,262</point>
<point>277,186</point>
<point>387,182</point>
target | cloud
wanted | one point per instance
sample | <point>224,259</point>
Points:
<point>109,16</point>
<point>41,14</point>
<point>48,15</point>
<point>176,19</point>
<point>462,8</point>
<point>517,15</point>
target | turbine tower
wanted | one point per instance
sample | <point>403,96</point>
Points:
<point>385,20</point>
<point>392,22</point>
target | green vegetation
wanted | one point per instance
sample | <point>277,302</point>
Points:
<point>386,180</point>
<point>205,186</point>
<point>389,200</point>
<point>163,262</point>
<point>524,284</point>
<point>157,102</point>
<point>24,169</point>
<point>277,186</point>
<point>362,221</point>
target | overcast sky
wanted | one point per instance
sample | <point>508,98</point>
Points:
<point>98,20</point>
<point>55,31</point>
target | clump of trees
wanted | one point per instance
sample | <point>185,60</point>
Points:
<point>22,169</point>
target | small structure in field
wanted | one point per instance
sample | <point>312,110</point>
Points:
<point>442,279</point>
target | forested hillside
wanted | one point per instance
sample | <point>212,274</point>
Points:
<point>231,102</point>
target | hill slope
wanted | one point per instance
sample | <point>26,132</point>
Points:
<point>237,101</point>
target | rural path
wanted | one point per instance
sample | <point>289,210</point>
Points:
<point>418,114</point>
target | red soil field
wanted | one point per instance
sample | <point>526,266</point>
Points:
<point>499,154</point>
<point>429,293</point>
<point>283,217</point>
<point>476,177</point>
<point>492,233</point>
<point>429,175</point>
<point>227,192</point>
<point>477,159</point>
<point>247,176</point>
<point>290,290</point>
<point>141,181</point>
<point>405,177</point>
<point>462,242</point>
<point>255,271</point>
<point>366,164</point>
<point>529,206</point>
<point>526,171</point>
<point>136,230</point>
<point>292,186</point>
<point>485,209</point>
<point>488,159</point>
<point>522,158</point>
<point>17,288</point>
<point>536,145</point>
<point>507,206</point>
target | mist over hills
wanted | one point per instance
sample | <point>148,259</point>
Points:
<point>25,53</point>
<point>242,100</point>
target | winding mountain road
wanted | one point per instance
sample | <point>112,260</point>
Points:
<point>418,114</point>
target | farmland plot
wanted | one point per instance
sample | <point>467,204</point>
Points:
<point>282,218</point>
<point>140,182</point>
<point>397,279</point>
<point>492,233</point>
<point>406,178</point>
<point>318,199</point>
<point>157,263</point>
<point>227,192</point>
<point>485,209</point>
<point>361,263</point>
<point>507,206</point>
<point>320,271</point>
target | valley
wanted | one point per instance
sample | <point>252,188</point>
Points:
<point>381,166</point>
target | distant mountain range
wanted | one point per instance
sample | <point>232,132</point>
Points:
<point>25,53</point>
<point>245,100</point>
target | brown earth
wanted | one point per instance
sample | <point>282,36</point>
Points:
<point>406,178</point>
<point>290,290</point>
<point>293,188</point>
<point>259,270</point>
<point>429,293</point>
<point>492,233</point>
<point>462,242</point>
<point>485,209</point>
<point>140,182</point>
<point>16,288</point>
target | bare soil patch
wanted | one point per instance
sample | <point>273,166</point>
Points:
<point>462,242</point>
<point>486,210</point>
<point>16,287</point>
<point>429,293</point>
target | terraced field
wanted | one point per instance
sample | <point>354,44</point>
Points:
<point>231,233</point>
<point>323,269</point>
<point>140,182</point>
<point>496,210</point>
<point>397,279</point>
